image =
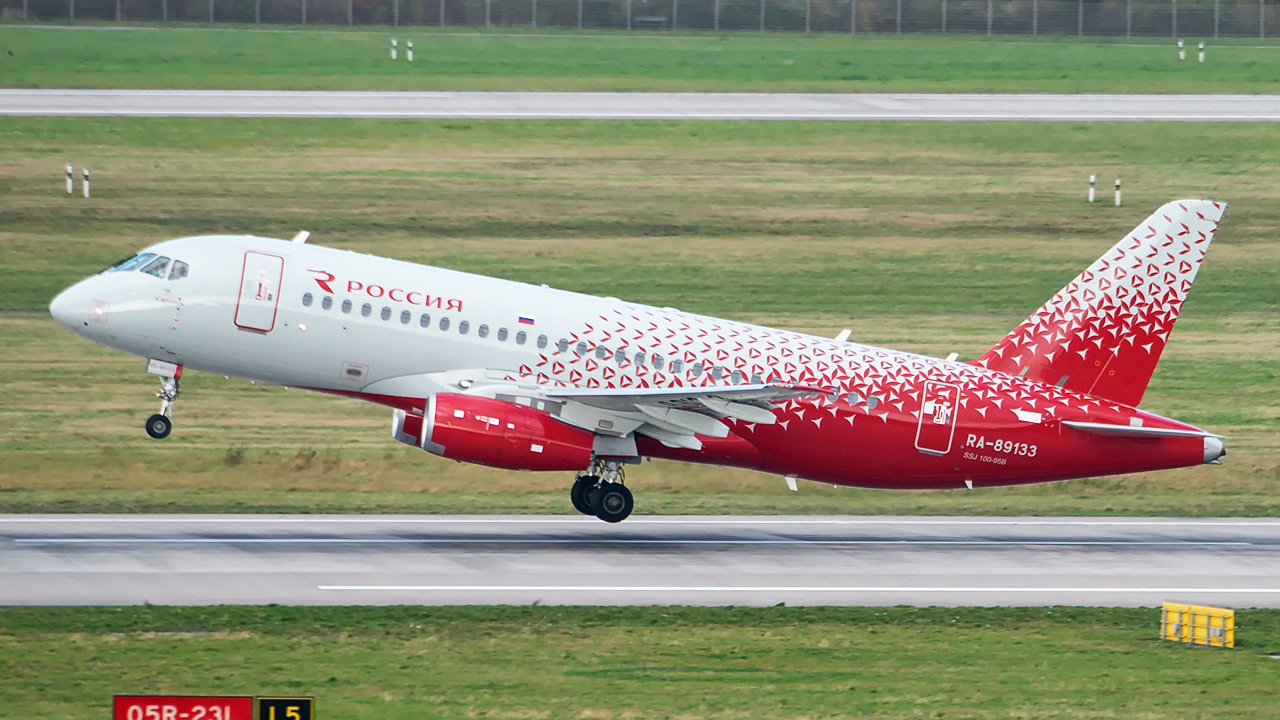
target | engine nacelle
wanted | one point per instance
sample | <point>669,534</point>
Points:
<point>495,433</point>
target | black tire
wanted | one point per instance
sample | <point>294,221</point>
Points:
<point>612,502</point>
<point>578,493</point>
<point>159,426</point>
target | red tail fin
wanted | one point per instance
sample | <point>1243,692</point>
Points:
<point>1103,333</point>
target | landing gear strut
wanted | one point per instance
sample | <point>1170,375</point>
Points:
<point>161,424</point>
<point>601,492</point>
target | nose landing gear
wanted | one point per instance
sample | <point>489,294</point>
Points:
<point>600,492</point>
<point>161,424</point>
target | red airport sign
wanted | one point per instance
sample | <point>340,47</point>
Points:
<point>181,707</point>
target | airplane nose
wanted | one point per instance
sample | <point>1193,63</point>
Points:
<point>70,308</point>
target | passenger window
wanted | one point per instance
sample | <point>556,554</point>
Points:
<point>736,376</point>
<point>657,362</point>
<point>562,346</point>
<point>179,270</point>
<point>366,310</point>
<point>482,331</point>
<point>346,306</point>
<point>717,373</point>
<point>521,337</point>
<point>444,323</point>
<point>327,302</point>
<point>158,267</point>
<point>696,369</point>
<point>677,366</point>
<point>306,300</point>
<point>542,342</point>
<point>386,313</point>
<point>133,263</point>
<point>640,358</point>
<point>502,334</point>
<point>405,317</point>
<point>602,352</point>
<point>756,379</point>
<point>424,321</point>
<point>619,356</point>
<point>463,327</point>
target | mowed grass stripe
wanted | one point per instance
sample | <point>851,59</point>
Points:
<point>162,56</point>
<point>535,662</point>
<point>927,237</point>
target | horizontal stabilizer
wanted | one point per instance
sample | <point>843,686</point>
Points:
<point>1135,431</point>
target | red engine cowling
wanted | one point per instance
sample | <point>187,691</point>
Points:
<point>495,433</point>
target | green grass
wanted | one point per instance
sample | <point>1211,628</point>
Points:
<point>157,57</point>
<point>603,663</point>
<point>922,236</point>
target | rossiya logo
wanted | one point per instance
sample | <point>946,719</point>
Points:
<point>327,280</point>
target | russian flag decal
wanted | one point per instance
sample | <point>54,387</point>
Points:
<point>526,319</point>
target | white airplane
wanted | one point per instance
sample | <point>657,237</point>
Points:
<point>531,378</point>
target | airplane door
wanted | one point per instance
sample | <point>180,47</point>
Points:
<point>937,423</point>
<point>259,291</point>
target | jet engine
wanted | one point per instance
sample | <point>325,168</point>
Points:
<point>494,433</point>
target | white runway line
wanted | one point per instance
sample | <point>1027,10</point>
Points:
<point>784,588</point>
<point>747,521</point>
<point>595,541</point>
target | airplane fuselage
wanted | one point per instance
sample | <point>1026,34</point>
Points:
<point>398,334</point>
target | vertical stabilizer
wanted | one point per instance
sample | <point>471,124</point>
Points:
<point>1103,333</point>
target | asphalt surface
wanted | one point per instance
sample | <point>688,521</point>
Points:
<point>386,560</point>
<point>651,106</point>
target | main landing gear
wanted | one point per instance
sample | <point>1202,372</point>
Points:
<point>600,492</point>
<point>161,424</point>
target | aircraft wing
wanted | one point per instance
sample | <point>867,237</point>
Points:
<point>674,415</point>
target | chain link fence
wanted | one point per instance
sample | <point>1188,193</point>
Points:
<point>1201,19</point>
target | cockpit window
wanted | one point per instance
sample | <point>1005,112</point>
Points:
<point>178,271</point>
<point>158,267</point>
<point>132,263</point>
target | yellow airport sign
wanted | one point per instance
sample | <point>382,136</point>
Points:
<point>1198,625</point>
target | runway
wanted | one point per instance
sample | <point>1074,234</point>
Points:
<point>437,560</point>
<point>638,106</point>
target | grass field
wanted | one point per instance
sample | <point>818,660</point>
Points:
<point>606,663</point>
<point>307,59</point>
<point>927,237</point>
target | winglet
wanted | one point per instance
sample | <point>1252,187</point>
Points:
<point>1103,333</point>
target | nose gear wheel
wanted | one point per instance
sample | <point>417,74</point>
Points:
<point>161,424</point>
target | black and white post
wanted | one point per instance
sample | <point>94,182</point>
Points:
<point>70,180</point>
<point>1182,52</point>
<point>1117,192</point>
<point>1092,179</point>
<point>408,50</point>
<point>393,48</point>
<point>86,182</point>
<point>1201,52</point>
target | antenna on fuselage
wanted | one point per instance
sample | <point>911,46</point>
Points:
<point>302,236</point>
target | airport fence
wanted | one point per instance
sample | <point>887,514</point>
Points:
<point>1200,19</point>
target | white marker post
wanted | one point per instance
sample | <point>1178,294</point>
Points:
<point>409,51</point>
<point>1117,192</point>
<point>1201,52</point>
<point>71,173</point>
<point>1092,179</point>
<point>1182,52</point>
<point>393,48</point>
<point>86,182</point>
